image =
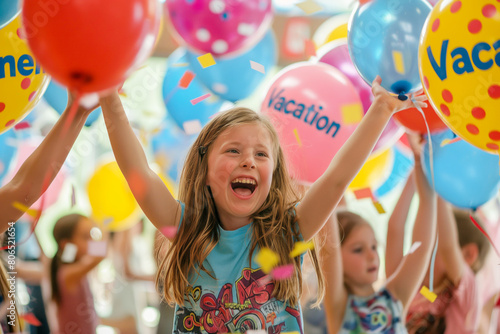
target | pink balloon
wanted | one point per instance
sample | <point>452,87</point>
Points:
<point>336,54</point>
<point>51,195</point>
<point>309,105</point>
<point>220,27</point>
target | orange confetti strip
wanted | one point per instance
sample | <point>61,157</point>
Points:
<point>186,79</point>
<point>364,193</point>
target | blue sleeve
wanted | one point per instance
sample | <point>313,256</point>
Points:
<point>182,214</point>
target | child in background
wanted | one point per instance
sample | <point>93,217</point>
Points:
<point>68,274</point>
<point>35,175</point>
<point>352,305</point>
<point>236,198</point>
<point>461,252</point>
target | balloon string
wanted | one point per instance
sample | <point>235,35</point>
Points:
<point>433,261</point>
<point>431,165</point>
<point>485,233</point>
<point>48,176</point>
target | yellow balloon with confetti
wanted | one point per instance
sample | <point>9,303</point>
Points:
<point>22,81</point>
<point>459,58</point>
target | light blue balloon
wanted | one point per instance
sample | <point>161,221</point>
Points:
<point>178,100</point>
<point>57,97</point>
<point>7,151</point>
<point>465,175</point>
<point>383,40</point>
<point>232,78</point>
<point>8,10</point>
<point>403,165</point>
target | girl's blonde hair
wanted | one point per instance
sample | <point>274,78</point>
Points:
<point>274,224</point>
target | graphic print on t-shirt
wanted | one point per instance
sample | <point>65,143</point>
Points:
<point>245,305</point>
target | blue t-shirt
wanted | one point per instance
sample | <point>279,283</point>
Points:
<point>239,299</point>
<point>378,313</point>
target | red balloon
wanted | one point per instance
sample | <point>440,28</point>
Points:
<point>90,45</point>
<point>412,120</point>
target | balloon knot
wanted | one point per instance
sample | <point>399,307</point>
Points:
<point>402,96</point>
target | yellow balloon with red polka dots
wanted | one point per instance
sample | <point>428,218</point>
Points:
<point>459,59</point>
<point>22,81</point>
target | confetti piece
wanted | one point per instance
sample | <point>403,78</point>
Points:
<point>271,317</point>
<point>414,247</point>
<point>186,79</point>
<point>364,193</point>
<point>31,319</point>
<point>24,208</point>
<point>310,48</point>
<point>97,248</point>
<point>282,272</point>
<point>428,294</point>
<point>200,98</point>
<point>379,207</point>
<point>450,141</point>
<point>485,234</point>
<point>73,195</point>
<point>257,67</point>
<point>264,280</point>
<point>206,60</point>
<point>351,113</point>
<point>180,65</point>
<point>498,302</point>
<point>169,231</point>
<point>107,221</point>
<point>122,92</point>
<point>309,7</point>
<point>69,253</point>
<point>22,126</point>
<point>192,127</point>
<point>267,259</point>
<point>297,137</point>
<point>301,247</point>
<point>399,64</point>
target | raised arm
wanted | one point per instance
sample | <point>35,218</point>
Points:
<point>406,281</point>
<point>148,188</point>
<point>331,264</point>
<point>75,272</point>
<point>449,247</point>
<point>396,228</point>
<point>38,171</point>
<point>320,201</point>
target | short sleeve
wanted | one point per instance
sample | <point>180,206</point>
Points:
<point>463,311</point>
<point>182,214</point>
